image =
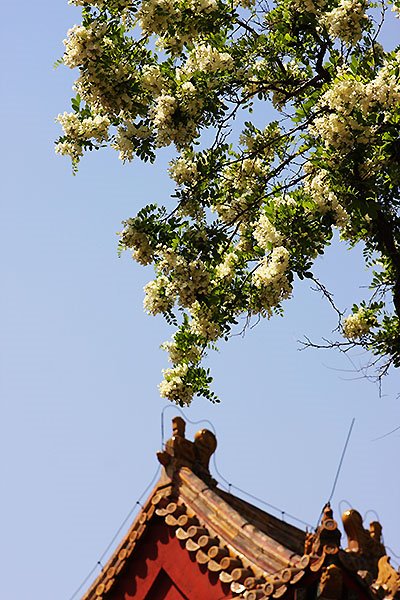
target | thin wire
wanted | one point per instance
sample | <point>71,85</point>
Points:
<point>88,576</point>
<point>168,406</point>
<point>394,553</point>
<point>341,460</point>
<point>229,484</point>
<point>341,504</point>
<point>271,506</point>
<point>128,516</point>
<point>371,510</point>
<point>162,428</point>
<point>337,475</point>
<point>283,513</point>
<point>386,434</point>
<point>115,536</point>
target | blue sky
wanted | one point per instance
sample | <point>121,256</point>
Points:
<point>80,361</point>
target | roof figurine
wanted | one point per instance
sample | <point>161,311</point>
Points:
<point>195,541</point>
<point>180,452</point>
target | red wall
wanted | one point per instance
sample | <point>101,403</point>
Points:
<point>162,569</point>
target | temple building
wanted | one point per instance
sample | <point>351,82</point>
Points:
<point>195,541</point>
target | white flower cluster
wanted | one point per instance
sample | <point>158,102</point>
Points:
<point>284,200</point>
<point>318,187</point>
<point>344,95</point>
<point>191,103</point>
<point>242,184</point>
<point>347,20</point>
<point>307,5</point>
<point>179,278</point>
<point>91,127</point>
<point>266,234</point>
<point>169,260</point>
<point>156,16</point>
<point>205,58</point>
<point>124,139</point>
<point>191,279</point>
<point>103,4</point>
<point>104,88</point>
<point>72,149</point>
<point>358,324</point>
<point>174,387</point>
<point>384,90</point>
<point>203,323</point>
<point>138,241</point>
<point>78,131</point>
<point>183,170</point>
<point>163,113</point>
<point>226,268</point>
<point>340,131</point>
<point>340,128</point>
<point>168,129</point>
<point>240,175</point>
<point>350,102</point>
<point>83,44</point>
<point>178,356</point>
<point>188,89</point>
<point>152,79</point>
<point>159,297</point>
<point>204,6</point>
<point>271,280</point>
<point>235,207</point>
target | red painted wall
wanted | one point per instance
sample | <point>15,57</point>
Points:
<point>162,569</point>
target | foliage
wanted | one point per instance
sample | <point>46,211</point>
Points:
<point>252,211</point>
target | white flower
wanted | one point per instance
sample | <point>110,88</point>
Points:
<point>318,186</point>
<point>358,324</point>
<point>126,133</point>
<point>191,280</point>
<point>226,268</point>
<point>174,387</point>
<point>71,149</point>
<point>155,15</point>
<point>266,234</point>
<point>159,296</point>
<point>83,44</point>
<point>308,5</point>
<point>271,280</point>
<point>347,20</point>
<point>384,90</point>
<point>183,170</point>
<point>177,355</point>
<point>152,78</point>
<point>188,88</point>
<point>205,58</point>
<point>203,324</point>
<point>91,127</point>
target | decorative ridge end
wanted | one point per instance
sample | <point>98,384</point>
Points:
<point>181,452</point>
<point>364,546</point>
<point>362,541</point>
<point>326,539</point>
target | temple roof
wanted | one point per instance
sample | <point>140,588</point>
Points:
<point>254,554</point>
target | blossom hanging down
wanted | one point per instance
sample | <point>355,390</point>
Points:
<point>283,124</point>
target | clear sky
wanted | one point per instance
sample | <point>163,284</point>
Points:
<point>80,361</point>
